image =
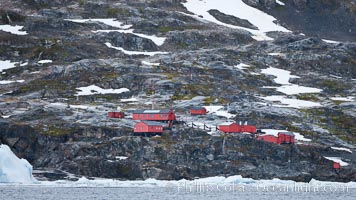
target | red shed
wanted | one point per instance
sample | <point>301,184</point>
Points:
<point>336,165</point>
<point>233,127</point>
<point>116,114</point>
<point>286,137</point>
<point>268,138</point>
<point>230,127</point>
<point>154,115</point>
<point>198,110</point>
<point>148,127</point>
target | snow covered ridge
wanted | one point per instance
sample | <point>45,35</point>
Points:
<point>93,89</point>
<point>264,22</point>
<point>109,21</point>
<point>134,52</point>
<point>13,169</point>
<point>16,30</point>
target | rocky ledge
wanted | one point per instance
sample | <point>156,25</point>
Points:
<point>185,154</point>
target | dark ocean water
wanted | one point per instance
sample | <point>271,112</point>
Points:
<point>87,193</point>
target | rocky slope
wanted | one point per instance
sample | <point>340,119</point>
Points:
<point>200,62</point>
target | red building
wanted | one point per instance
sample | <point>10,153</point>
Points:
<point>230,127</point>
<point>286,137</point>
<point>116,114</point>
<point>199,110</point>
<point>268,138</point>
<point>248,129</point>
<point>336,165</point>
<point>233,127</point>
<point>281,138</point>
<point>148,127</point>
<point>154,115</point>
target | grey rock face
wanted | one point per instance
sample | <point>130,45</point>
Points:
<point>300,4</point>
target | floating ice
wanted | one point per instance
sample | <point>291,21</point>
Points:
<point>13,169</point>
<point>236,180</point>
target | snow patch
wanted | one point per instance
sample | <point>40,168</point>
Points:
<point>331,41</point>
<point>133,99</point>
<point>109,21</point>
<point>8,82</point>
<point>157,40</point>
<point>350,98</point>
<point>24,64</point>
<point>282,76</point>
<point>44,61</point>
<point>135,52</point>
<point>338,160</point>
<point>149,63</point>
<point>291,103</point>
<point>277,54</point>
<point>217,110</point>
<point>16,30</point>
<point>237,8</point>
<point>13,169</point>
<point>121,157</point>
<point>297,89</point>
<point>6,64</point>
<point>242,66</point>
<point>341,149</point>
<point>280,3</point>
<point>93,89</point>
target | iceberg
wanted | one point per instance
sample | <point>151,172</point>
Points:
<point>13,169</point>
